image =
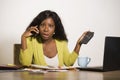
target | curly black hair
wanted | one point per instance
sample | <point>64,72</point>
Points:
<point>59,29</point>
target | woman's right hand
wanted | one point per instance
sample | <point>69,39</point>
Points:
<point>28,33</point>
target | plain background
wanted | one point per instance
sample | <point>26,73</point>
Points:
<point>100,16</point>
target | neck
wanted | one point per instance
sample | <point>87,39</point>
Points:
<point>47,41</point>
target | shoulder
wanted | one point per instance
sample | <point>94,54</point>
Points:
<point>61,42</point>
<point>32,39</point>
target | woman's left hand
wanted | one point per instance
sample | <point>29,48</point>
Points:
<point>82,36</point>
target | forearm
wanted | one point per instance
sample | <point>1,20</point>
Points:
<point>26,52</point>
<point>78,44</point>
<point>25,57</point>
<point>23,43</point>
<point>77,48</point>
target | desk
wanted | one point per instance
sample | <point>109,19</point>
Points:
<point>68,75</point>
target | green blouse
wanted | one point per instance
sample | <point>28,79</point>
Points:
<point>34,53</point>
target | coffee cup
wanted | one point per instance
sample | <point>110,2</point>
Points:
<point>83,61</point>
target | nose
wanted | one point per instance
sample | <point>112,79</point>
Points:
<point>46,28</point>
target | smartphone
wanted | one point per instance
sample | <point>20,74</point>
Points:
<point>87,37</point>
<point>34,33</point>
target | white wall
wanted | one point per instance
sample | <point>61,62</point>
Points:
<point>100,16</point>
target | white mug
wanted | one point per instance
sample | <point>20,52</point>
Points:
<point>83,61</point>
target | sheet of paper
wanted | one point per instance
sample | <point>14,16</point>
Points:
<point>52,67</point>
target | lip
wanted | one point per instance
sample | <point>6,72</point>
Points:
<point>45,35</point>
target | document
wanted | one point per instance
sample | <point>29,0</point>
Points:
<point>52,68</point>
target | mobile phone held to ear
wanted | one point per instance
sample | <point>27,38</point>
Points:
<point>34,33</point>
<point>87,37</point>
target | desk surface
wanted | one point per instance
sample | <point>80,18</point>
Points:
<point>67,75</point>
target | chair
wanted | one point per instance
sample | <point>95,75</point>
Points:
<point>16,54</point>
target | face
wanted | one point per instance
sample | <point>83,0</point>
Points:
<point>47,28</point>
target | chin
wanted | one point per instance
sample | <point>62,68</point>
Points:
<point>45,38</point>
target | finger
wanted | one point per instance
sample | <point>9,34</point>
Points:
<point>35,31</point>
<point>82,36</point>
<point>32,29</point>
<point>35,28</point>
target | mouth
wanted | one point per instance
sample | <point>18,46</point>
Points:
<point>45,35</point>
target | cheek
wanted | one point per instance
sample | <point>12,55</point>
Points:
<point>53,30</point>
<point>40,30</point>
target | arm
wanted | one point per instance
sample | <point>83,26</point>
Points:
<point>26,51</point>
<point>69,58</point>
<point>78,44</point>
<point>27,54</point>
<point>27,34</point>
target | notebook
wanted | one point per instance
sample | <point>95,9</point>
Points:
<point>10,67</point>
<point>111,59</point>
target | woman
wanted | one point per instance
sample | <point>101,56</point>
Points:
<point>45,43</point>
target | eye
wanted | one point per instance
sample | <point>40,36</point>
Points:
<point>51,26</point>
<point>42,25</point>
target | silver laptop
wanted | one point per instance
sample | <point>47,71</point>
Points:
<point>111,59</point>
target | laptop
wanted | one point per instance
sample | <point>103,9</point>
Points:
<point>111,59</point>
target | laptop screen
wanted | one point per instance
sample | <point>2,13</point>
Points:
<point>112,53</point>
